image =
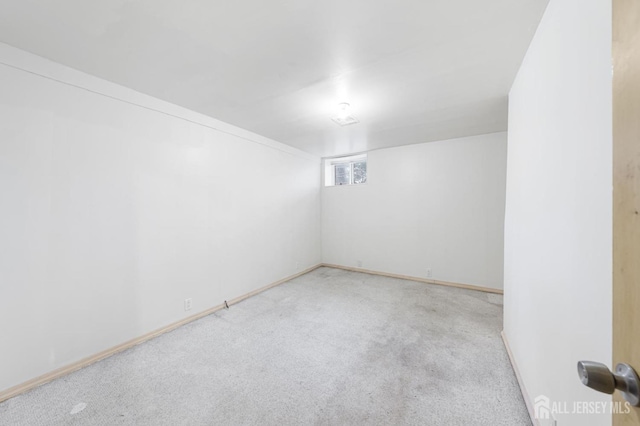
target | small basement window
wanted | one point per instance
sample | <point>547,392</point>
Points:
<point>345,170</point>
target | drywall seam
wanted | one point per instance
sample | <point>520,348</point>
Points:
<point>273,144</point>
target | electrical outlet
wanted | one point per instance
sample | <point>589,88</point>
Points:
<point>429,273</point>
<point>187,304</point>
<point>359,263</point>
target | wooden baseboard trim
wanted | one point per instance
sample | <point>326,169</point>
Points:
<point>63,371</point>
<point>418,279</point>
<point>523,390</point>
<point>277,283</point>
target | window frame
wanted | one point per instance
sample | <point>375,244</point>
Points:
<point>330,169</point>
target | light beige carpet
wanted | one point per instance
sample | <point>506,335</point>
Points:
<point>329,348</point>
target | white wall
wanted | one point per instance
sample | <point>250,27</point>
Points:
<point>437,205</point>
<point>115,207</point>
<point>558,213</point>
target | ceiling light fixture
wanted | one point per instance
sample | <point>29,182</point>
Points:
<point>344,117</point>
<point>343,109</point>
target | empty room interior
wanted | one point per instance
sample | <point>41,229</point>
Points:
<point>314,213</point>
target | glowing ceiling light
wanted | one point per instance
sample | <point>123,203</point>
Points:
<point>343,116</point>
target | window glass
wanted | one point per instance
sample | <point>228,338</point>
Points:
<point>359,172</point>
<point>343,174</point>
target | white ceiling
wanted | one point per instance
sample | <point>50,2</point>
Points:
<point>413,70</point>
